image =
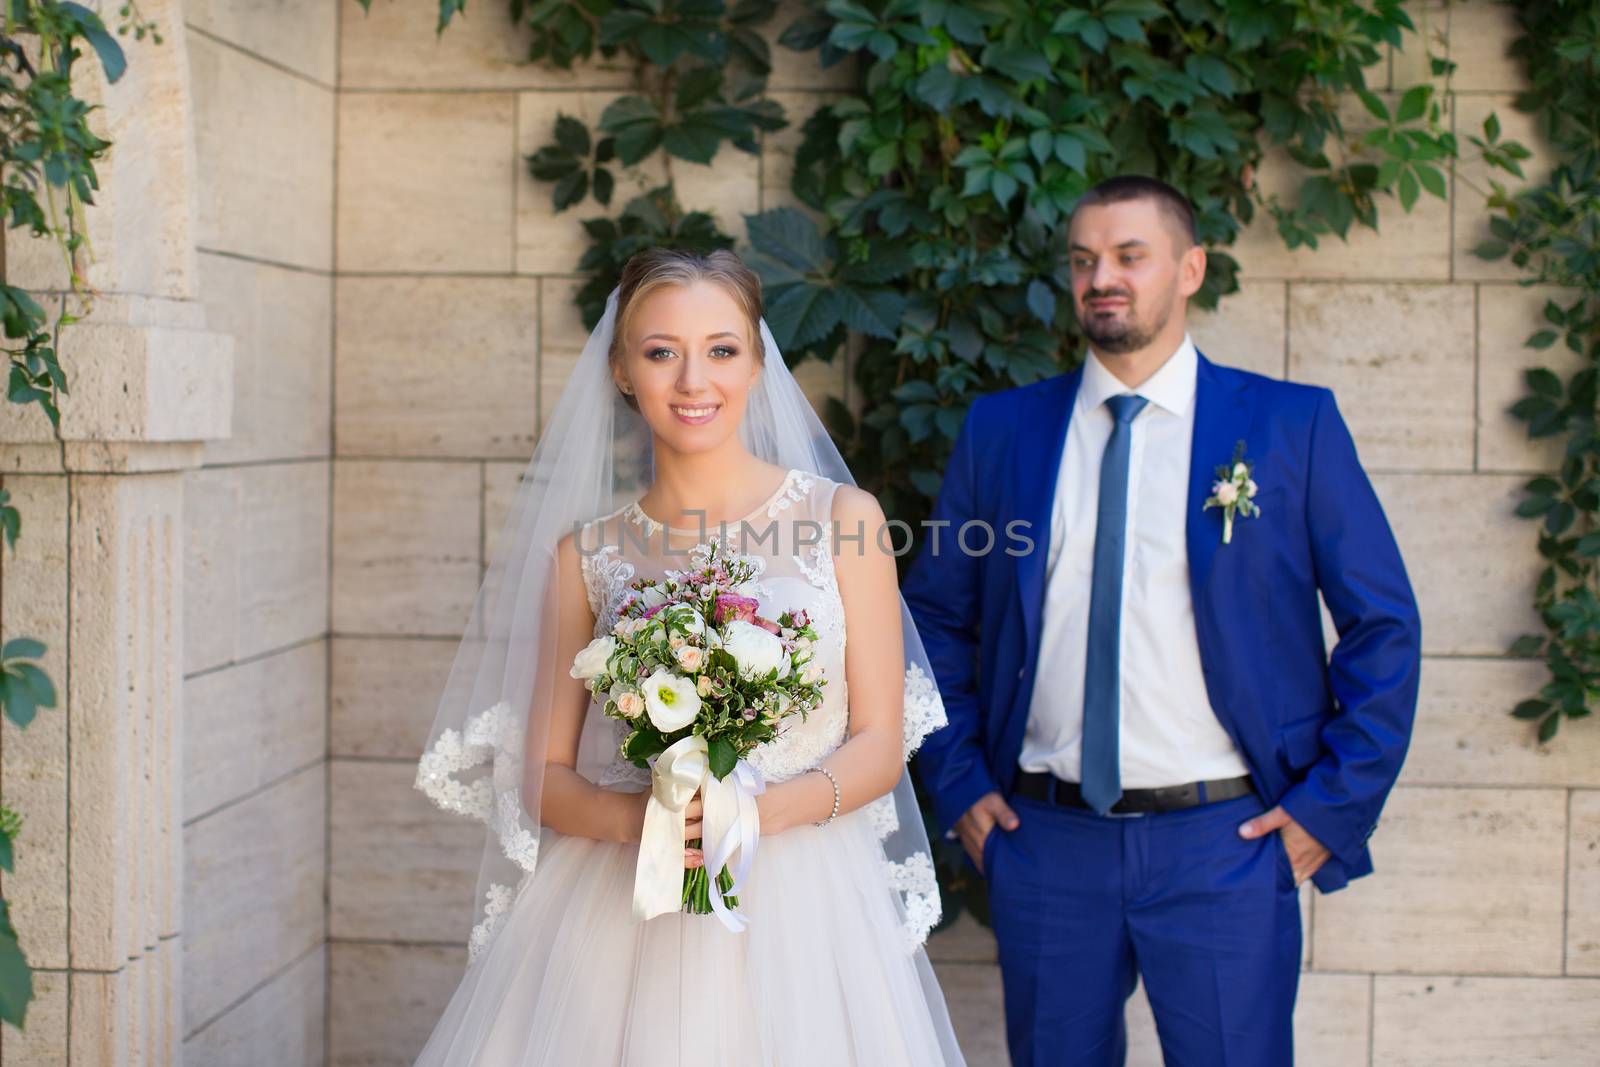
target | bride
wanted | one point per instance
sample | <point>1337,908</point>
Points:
<point>679,427</point>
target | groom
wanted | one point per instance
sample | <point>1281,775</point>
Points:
<point>1149,746</point>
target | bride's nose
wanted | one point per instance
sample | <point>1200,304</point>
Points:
<point>691,375</point>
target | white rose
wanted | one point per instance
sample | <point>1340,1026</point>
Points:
<point>787,633</point>
<point>1250,488</point>
<point>630,704</point>
<point>703,687</point>
<point>672,702</point>
<point>1240,470</point>
<point>811,673</point>
<point>684,619</point>
<point>591,662</point>
<point>691,658</point>
<point>651,596</point>
<point>1227,493</point>
<point>755,650</point>
<point>677,640</point>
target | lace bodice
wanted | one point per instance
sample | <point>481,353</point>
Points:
<point>789,540</point>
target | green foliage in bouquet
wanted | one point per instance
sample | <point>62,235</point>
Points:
<point>689,656</point>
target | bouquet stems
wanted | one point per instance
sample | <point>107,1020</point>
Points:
<point>697,888</point>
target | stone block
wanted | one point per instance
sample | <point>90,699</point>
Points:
<point>1248,329</point>
<point>1507,316</point>
<point>802,70</point>
<point>973,994</point>
<point>425,182</point>
<point>1465,735</point>
<point>1468,881</point>
<point>281,1022</point>
<point>561,338</point>
<point>1583,882</point>
<point>251,723</point>
<point>402,869</point>
<point>283,554</point>
<point>281,324</point>
<point>394,45</point>
<point>1400,360</point>
<point>302,35</point>
<point>500,484</point>
<point>211,503</point>
<point>253,892</point>
<point>1481,33</point>
<point>436,367</point>
<point>264,155</point>
<point>405,547</point>
<point>1484,1022</point>
<point>385,693</point>
<point>384,1000</point>
<point>1472,565</point>
<point>42,1040</point>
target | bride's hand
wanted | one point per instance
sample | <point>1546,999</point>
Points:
<point>693,857</point>
<point>691,819</point>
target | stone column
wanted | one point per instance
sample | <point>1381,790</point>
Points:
<point>96,896</point>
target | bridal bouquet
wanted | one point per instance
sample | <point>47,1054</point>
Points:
<point>701,680</point>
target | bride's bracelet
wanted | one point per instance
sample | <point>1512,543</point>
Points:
<point>835,810</point>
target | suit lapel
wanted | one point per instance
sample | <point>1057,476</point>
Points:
<point>1045,418</point>
<point>1221,420</point>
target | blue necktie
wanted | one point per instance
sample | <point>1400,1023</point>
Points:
<point>1101,770</point>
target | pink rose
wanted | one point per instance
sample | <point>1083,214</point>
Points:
<point>731,606</point>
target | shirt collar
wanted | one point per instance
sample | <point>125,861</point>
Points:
<point>1171,388</point>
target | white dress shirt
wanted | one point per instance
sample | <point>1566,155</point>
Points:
<point>1169,732</point>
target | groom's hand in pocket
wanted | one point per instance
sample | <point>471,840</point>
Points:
<point>990,812</point>
<point>1306,853</point>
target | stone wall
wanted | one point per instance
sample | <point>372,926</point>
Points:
<point>256,577</point>
<point>262,562</point>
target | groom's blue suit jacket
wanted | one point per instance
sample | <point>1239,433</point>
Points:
<point>1324,736</point>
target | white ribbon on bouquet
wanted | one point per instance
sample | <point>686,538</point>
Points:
<point>730,827</point>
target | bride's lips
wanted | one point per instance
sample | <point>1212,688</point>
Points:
<point>695,414</point>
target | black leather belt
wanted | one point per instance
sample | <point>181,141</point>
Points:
<point>1038,785</point>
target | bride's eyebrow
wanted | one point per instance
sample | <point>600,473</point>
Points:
<point>674,337</point>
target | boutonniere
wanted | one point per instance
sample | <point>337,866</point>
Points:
<point>1234,492</point>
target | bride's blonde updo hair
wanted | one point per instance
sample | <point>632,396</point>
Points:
<point>653,268</point>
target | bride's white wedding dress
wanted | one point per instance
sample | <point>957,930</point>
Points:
<point>828,973</point>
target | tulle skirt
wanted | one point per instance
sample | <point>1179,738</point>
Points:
<point>822,975</point>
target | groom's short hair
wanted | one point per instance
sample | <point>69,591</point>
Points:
<point>1173,204</point>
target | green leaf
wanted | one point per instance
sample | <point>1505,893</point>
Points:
<point>1542,340</point>
<point>1548,728</point>
<point>105,46</point>
<point>723,757</point>
<point>1373,104</point>
<point>22,648</point>
<point>1414,103</point>
<point>1543,381</point>
<point>1409,190</point>
<point>1531,709</point>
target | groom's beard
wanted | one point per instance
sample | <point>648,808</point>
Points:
<point>1117,336</point>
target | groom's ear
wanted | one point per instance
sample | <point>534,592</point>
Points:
<point>1192,270</point>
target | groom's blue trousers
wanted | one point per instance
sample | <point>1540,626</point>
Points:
<point>1084,905</point>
